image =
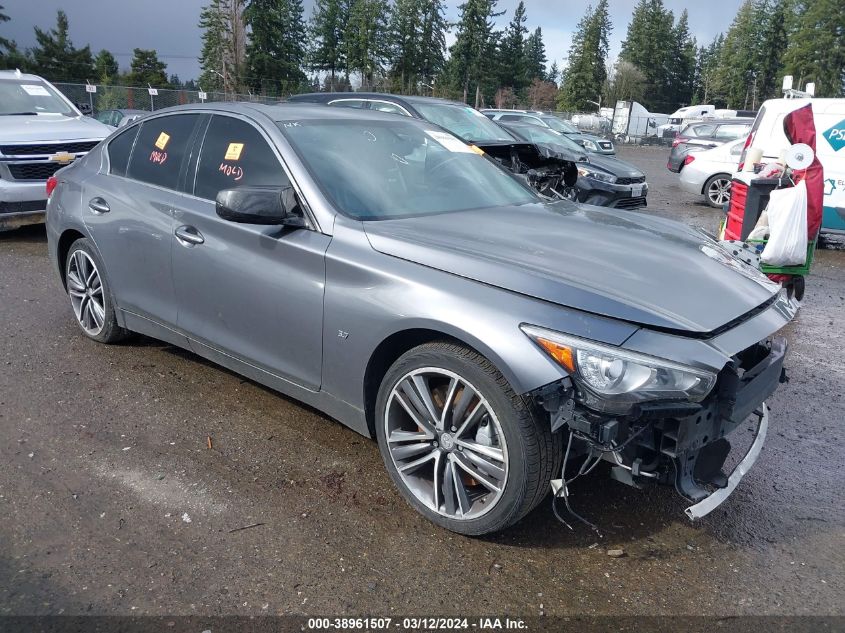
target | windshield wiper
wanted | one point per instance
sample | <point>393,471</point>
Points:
<point>18,113</point>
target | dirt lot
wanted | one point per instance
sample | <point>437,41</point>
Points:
<point>114,504</point>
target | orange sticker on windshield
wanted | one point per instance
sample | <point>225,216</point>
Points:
<point>162,140</point>
<point>234,151</point>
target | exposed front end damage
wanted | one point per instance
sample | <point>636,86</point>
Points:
<point>550,174</point>
<point>684,444</point>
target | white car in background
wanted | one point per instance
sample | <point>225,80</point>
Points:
<point>708,172</point>
<point>41,131</point>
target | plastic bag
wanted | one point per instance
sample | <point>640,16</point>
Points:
<point>787,245</point>
<point>761,229</point>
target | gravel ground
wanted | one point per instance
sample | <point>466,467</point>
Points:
<point>115,504</point>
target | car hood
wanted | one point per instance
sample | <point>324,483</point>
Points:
<point>50,127</point>
<point>615,166</point>
<point>645,270</point>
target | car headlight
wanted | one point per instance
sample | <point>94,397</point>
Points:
<point>590,145</point>
<point>597,175</point>
<point>614,379</point>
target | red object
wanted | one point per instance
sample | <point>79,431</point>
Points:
<point>52,181</point>
<point>677,141</point>
<point>799,127</point>
<point>736,210</point>
<point>689,158</point>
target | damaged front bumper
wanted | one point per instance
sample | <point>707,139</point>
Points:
<point>684,444</point>
<point>714,500</point>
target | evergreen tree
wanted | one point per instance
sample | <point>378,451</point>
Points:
<point>55,57</point>
<point>513,63</point>
<point>648,45</point>
<point>535,58</point>
<point>738,70</point>
<point>367,45</point>
<point>554,73</point>
<point>223,45</point>
<point>772,15</point>
<point>586,74</point>
<point>105,67</point>
<point>472,54</point>
<point>681,73</point>
<point>816,50</point>
<point>146,69</point>
<point>405,34</point>
<point>432,42</point>
<point>707,70</point>
<point>275,52</point>
<point>327,30</point>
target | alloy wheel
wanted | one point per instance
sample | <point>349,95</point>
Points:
<point>85,288</point>
<point>719,191</point>
<point>446,443</point>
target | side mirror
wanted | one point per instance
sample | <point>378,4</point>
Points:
<point>260,205</point>
<point>84,108</point>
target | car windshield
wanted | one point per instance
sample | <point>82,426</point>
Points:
<point>30,97</point>
<point>537,134</point>
<point>463,121</point>
<point>559,125</point>
<point>376,170</point>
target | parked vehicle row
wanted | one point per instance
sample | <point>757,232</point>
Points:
<point>386,272</point>
<point>704,135</point>
<point>590,142</point>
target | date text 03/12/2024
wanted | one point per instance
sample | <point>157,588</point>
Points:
<point>416,624</point>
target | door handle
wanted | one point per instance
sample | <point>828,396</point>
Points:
<point>189,236</point>
<point>98,205</point>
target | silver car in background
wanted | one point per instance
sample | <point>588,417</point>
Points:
<point>386,273</point>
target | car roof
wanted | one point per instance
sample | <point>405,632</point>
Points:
<point>14,74</point>
<point>324,97</point>
<point>284,111</point>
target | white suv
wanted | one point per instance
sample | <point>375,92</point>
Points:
<point>40,132</point>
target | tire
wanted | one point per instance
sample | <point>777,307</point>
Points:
<point>717,190</point>
<point>90,295</point>
<point>520,454</point>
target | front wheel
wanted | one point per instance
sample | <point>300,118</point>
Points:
<point>717,190</point>
<point>463,449</point>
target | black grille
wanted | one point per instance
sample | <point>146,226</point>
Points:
<point>47,148</point>
<point>22,207</point>
<point>631,203</point>
<point>630,181</point>
<point>34,171</point>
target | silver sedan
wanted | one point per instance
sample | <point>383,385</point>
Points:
<point>386,273</point>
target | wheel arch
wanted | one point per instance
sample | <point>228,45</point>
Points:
<point>399,342</point>
<point>68,237</point>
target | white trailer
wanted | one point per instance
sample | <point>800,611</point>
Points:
<point>633,123</point>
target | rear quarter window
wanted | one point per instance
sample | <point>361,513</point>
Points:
<point>119,150</point>
<point>160,148</point>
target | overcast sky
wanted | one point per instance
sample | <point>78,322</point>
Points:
<point>170,26</point>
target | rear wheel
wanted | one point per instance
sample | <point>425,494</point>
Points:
<point>89,294</point>
<point>463,449</point>
<point>717,190</point>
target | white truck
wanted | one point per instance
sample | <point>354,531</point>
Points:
<point>680,117</point>
<point>632,123</point>
<point>40,132</point>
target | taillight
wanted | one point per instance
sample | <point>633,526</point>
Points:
<point>52,181</point>
<point>689,158</point>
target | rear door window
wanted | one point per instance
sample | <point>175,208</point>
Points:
<point>120,147</point>
<point>348,103</point>
<point>385,106</point>
<point>235,153</point>
<point>730,132</point>
<point>160,148</point>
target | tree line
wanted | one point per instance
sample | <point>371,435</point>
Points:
<point>269,47</point>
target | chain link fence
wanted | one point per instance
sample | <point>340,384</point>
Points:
<point>97,98</point>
